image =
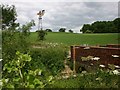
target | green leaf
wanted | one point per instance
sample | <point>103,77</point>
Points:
<point>9,70</point>
<point>10,86</point>
<point>31,72</point>
<point>37,81</point>
<point>50,78</point>
<point>15,69</point>
<point>5,80</point>
<point>31,78</point>
<point>5,67</point>
<point>16,79</point>
<point>28,58</point>
<point>31,86</point>
<point>17,53</point>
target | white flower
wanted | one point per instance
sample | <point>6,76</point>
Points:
<point>87,48</point>
<point>96,58</point>
<point>115,56</point>
<point>91,64</point>
<point>117,66</point>
<point>50,78</point>
<point>56,43</point>
<point>99,79</point>
<point>39,73</point>
<point>84,72</point>
<point>18,61</point>
<point>102,65</point>
<point>116,72</point>
<point>65,76</point>
<point>68,56</point>
<point>1,83</point>
<point>74,75</point>
<point>1,59</point>
<point>6,80</point>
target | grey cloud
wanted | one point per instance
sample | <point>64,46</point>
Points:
<point>119,9</point>
<point>73,16</point>
<point>104,10</point>
<point>66,14</point>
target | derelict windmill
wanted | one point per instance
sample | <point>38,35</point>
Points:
<point>41,13</point>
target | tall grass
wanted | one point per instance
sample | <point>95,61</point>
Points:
<point>50,57</point>
<point>100,79</point>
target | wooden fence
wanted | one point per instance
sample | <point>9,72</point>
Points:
<point>109,54</point>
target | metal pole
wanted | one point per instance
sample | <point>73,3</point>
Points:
<point>41,13</point>
<point>41,23</point>
<point>74,71</point>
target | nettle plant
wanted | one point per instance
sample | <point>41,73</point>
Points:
<point>16,76</point>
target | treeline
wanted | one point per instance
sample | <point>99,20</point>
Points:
<point>60,30</point>
<point>102,27</point>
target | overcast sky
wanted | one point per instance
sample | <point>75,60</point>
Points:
<point>61,13</point>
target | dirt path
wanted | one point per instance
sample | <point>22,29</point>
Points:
<point>67,72</point>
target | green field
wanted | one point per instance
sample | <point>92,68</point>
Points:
<point>79,39</point>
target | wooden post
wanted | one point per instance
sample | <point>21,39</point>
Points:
<point>74,59</point>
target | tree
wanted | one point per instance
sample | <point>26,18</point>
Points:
<point>12,40</point>
<point>9,16</point>
<point>102,27</point>
<point>25,29</point>
<point>85,28</point>
<point>70,31</point>
<point>62,29</point>
<point>48,30</point>
<point>88,31</point>
<point>41,34</point>
<point>117,24</point>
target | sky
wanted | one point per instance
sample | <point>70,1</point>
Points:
<point>69,14</point>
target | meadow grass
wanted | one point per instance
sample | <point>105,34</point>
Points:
<point>78,39</point>
<point>100,79</point>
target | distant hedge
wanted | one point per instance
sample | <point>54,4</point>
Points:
<point>102,27</point>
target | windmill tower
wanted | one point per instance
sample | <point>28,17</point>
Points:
<point>40,13</point>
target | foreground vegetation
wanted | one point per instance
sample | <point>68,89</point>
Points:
<point>99,79</point>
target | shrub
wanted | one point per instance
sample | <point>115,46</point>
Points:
<point>52,58</point>
<point>41,34</point>
<point>12,42</point>
<point>62,29</point>
<point>70,31</point>
<point>17,76</point>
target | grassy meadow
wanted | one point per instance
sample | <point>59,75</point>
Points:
<point>78,39</point>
